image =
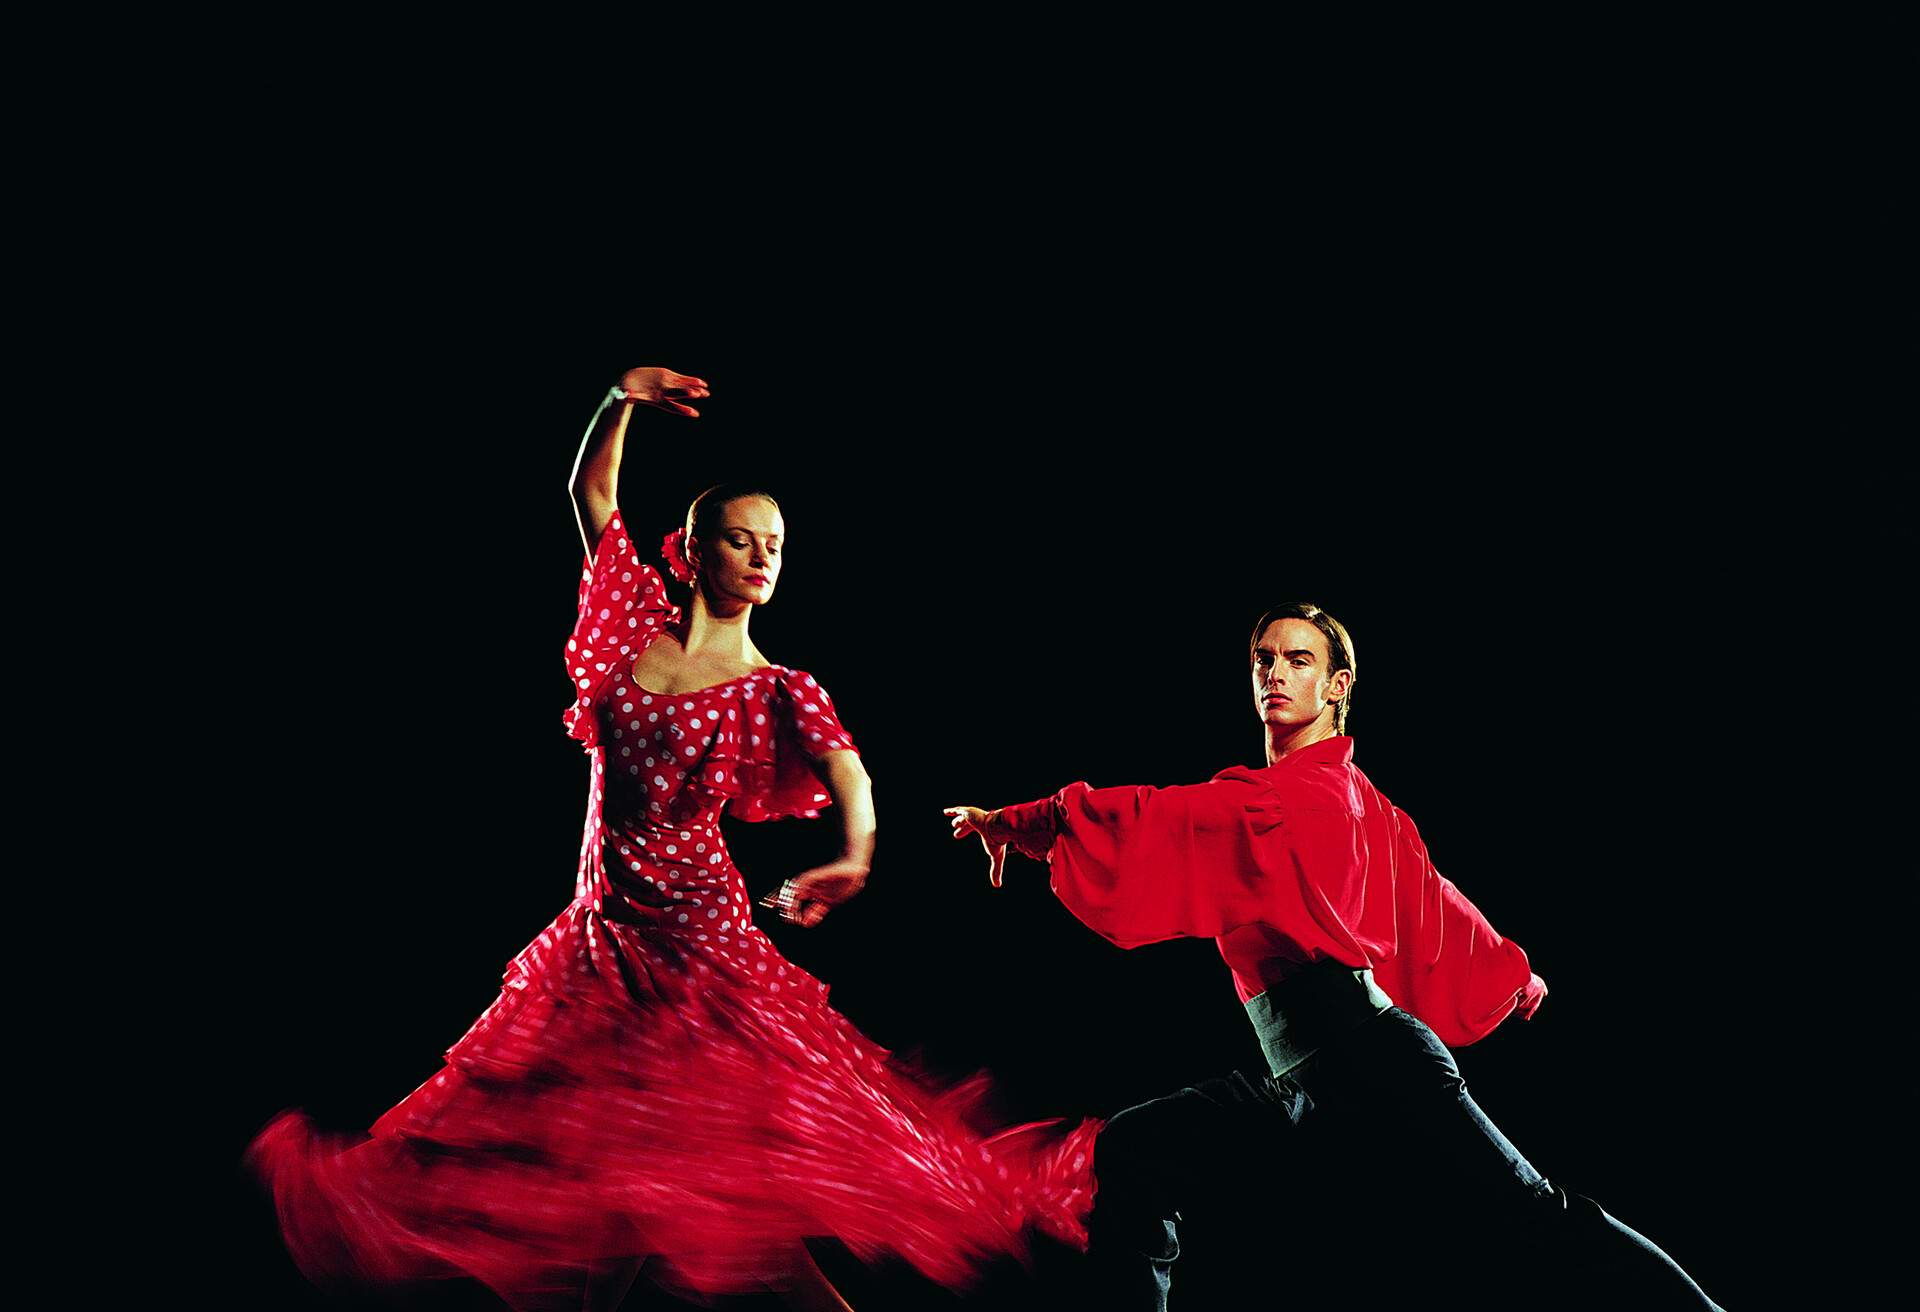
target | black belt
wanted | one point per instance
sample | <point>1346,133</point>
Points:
<point>1310,1009</point>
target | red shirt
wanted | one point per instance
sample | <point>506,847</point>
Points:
<point>1300,861</point>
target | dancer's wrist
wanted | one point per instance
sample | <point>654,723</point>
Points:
<point>1028,827</point>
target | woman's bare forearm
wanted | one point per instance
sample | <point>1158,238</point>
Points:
<point>596,469</point>
<point>595,484</point>
<point>846,779</point>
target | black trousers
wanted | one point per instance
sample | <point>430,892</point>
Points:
<point>1368,1176</point>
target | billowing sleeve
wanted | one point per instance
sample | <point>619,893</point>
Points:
<point>1138,865</point>
<point>1350,883</point>
<point>798,726</point>
<point>1446,963</point>
<point>623,604</point>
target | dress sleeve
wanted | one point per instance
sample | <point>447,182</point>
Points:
<point>776,775</point>
<point>623,606</point>
<point>1139,865</point>
<point>810,717</point>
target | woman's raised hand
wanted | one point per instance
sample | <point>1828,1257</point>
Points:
<point>972,820</point>
<point>663,389</point>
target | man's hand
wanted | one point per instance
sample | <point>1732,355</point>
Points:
<point>972,820</point>
<point>663,389</point>
<point>806,898</point>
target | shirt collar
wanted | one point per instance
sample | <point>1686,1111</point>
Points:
<point>1337,750</point>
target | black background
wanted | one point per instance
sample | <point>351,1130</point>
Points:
<point>1040,470</point>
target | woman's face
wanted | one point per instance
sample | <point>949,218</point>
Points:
<point>741,561</point>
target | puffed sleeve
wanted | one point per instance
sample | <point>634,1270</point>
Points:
<point>793,725</point>
<point>1445,962</point>
<point>1138,865</point>
<point>623,605</point>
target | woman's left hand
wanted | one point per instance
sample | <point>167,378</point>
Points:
<point>810,894</point>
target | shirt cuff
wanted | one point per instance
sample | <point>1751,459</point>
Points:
<point>1029,827</point>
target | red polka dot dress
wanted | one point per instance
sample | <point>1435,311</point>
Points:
<point>654,1078</point>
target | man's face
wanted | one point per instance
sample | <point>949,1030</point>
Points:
<point>1292,684</point>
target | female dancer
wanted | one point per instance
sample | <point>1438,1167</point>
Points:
<point>655,1081</point>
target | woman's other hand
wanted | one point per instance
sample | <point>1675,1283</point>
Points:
<point>806,898</point>
<point>663,389</point>
<point>972,820</point>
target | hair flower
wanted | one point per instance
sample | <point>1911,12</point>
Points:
<point>673,549</point>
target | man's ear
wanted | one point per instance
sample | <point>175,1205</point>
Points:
<point>1337,686</point>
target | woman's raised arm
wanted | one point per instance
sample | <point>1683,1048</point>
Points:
<point>596,470</point>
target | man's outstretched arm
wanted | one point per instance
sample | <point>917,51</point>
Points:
<point>1138,865</point>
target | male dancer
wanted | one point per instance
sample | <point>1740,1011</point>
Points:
<point>1357,962</point>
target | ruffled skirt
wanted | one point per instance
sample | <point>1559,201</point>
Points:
<point>650,1103</point>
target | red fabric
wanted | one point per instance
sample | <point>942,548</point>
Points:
<point>1300,861</point>
<point>763,773</point>
<point>655,1078</point>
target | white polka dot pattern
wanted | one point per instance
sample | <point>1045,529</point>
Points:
<point>652,1056</point>
<point>623,605</point>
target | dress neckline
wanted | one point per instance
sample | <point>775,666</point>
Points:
<point>633,678</point>
<point>689,692</point>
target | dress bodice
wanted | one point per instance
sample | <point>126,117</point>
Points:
<point>665,765</point>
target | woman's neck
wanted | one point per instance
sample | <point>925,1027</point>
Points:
<point>712,633</point>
